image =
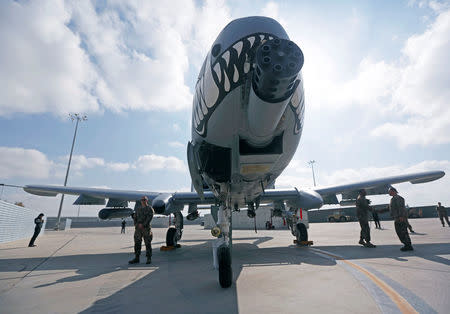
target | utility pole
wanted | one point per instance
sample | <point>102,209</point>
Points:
<point>311,163</point>
<point>79,118</point>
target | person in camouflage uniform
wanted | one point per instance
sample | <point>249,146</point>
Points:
<point>400,215</point>
<point>143,215</point>
<point>362,212</point>
<point>442,211</point>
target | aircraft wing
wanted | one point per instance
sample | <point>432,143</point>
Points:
<point>374,186</point>
<point>170,202</point>
<point>163,203</point>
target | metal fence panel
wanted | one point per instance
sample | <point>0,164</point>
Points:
<point>16,222</point>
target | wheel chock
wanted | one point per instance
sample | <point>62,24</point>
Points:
<point>169,248</point>
<point>303,243</point>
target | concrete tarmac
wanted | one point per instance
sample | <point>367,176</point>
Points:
<point>87,271</point>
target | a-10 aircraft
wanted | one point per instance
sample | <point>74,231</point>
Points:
<point>247,120</point>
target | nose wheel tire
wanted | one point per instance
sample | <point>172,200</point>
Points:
<point>225,271</point>
<point>302,233</point>
<point>171,236</point>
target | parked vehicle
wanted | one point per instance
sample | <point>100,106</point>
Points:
<point>339,215</point>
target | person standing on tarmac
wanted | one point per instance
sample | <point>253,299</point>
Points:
<point>37,229</point>
<point>362,212</point>
<point>142,218</point>
<point>398,212</point>
<point>123,226</point>
<point>442,211</point>
<point>376,219</point>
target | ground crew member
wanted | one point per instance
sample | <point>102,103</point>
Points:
<point>376,219</point>
<point>39,221</point>
<point>442,211</point>
<point>362,212</point>
<point>398,212</point>
<point>142,218</point>
<point>123,226</point>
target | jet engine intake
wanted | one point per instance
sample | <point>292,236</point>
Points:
<point>163,205</point>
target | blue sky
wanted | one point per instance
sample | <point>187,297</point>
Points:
<point>377,81</point>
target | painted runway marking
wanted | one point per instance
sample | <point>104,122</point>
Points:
<point>402,305</point>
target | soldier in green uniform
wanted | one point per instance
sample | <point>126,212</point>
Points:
<point>442,211</point>
<point>398,212</point>
<point>143,215</point>
<point>362,212</point>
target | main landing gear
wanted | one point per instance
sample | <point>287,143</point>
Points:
<point>175,231</point>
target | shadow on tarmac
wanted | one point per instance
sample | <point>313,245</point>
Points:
<point>169,286</point>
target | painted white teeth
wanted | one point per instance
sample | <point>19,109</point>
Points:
<point>204,108</point>
<point>251,40</point>
<point>235,75</point>
<point>218,71</point>
<point>238,46</point>
<point>226,57</point>
<point>227,82</point>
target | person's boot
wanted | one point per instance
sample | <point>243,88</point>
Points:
<point>407,248</point>
<point>370,245</point>
<point>361,241</point>
<point>149,260</point>
<point>135,260</point>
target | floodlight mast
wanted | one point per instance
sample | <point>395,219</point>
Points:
<point>311,162</point>
<point>78,117</point>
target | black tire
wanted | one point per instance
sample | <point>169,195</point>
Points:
<point>170,236</point>
<point>225,271</point>
<point>331,219</point>
<point>302,232</point>
<point>343,218</point>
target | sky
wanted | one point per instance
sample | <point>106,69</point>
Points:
<point>376,78</point>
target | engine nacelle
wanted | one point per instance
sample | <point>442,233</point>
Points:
<point>306,200</point>
<point>109,213</point>
<point>163,205</point>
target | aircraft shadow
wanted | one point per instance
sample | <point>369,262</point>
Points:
<point>185,281</point>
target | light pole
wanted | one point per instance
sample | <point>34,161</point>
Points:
<point>78,117</point>
<point>311,162</point>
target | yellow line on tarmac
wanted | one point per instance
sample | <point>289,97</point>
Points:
<point>401,303</point>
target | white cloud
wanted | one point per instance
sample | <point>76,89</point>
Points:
<point>25,163</point>
<point>80,162</point>
<point>118,166</point>
<point>43,67</point>
<point>423,194</point>
<point>421,96</point>
<point>153,162</point>
<point>177,144</point>
<point>75,56</point>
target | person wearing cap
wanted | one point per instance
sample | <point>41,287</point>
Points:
<point>362,212</point>
<point>143,215</point>
<point>442,211</point>
<point>400,215</point>
<point>39,221</point>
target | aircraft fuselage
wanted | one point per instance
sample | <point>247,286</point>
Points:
<point>248,109</point>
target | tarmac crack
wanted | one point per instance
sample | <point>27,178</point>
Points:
<point>38,265</point>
